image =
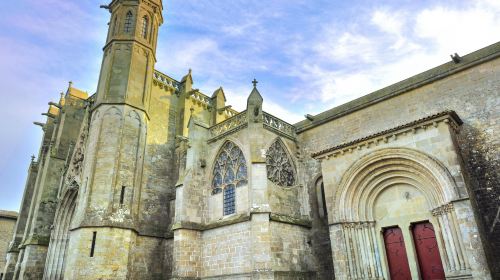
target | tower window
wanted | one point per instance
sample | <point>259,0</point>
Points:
<point>128,22</point>
<point>122,195</point>
<point>145,24</point>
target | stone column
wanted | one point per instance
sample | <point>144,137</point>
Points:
<point>340,253</point>
<point>471,240</point>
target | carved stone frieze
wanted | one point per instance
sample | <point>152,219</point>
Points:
<point>228,126</point>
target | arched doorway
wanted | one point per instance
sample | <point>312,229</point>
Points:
<point>395,191</point>
<point>56,256</point>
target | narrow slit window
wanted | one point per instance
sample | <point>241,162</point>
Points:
<point>122,195</point>
<point>92,247</point>
<point>145,23</point>
<point>128,22</point>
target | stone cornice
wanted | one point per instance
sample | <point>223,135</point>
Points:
<point>449,117</point>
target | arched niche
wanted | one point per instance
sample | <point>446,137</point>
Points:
<point>57,251</point>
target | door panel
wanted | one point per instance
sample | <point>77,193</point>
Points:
<point>396,254</point>
<point>429,260</point>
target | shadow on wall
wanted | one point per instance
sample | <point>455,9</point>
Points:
<point>480,154</point>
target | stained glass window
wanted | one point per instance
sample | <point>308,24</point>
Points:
<point>128,22</point>
<point>230,172</point>
<point>279,166</point>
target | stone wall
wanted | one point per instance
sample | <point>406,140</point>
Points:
<point>291,248</point>
<point>472,92</point>
<point>227,250</point>
<point>7,223</point>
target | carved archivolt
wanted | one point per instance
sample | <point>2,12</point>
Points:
<point>355,200</point>
<point>279,165</point>
<point>362,183</point>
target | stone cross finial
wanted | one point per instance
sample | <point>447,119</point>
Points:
<point>254,82</point>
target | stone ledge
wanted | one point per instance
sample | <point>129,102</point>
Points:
<point>36,240</point>
<point>168,235</point>
<point>290,220</point>
<point>8,214</point>
<point>220,223</point>
<point>240,219</point>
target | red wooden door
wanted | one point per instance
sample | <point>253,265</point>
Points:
<point>429,261</point>
<point>396,254</point>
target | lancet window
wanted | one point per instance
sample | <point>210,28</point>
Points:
<point>230,172</point>
<point>279,165</point>
<point>128,22</point>
<point>145,24</point>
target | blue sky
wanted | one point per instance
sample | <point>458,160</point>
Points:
<point>308,55</point>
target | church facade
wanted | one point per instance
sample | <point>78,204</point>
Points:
<point>149,178</point>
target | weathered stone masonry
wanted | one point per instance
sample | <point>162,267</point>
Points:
<point>149,178</point>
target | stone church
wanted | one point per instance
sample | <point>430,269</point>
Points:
<point>149,178</point>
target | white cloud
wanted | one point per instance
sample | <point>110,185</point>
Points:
<point>346,48</point>
<point>388,21</point>
<point>361,61</point>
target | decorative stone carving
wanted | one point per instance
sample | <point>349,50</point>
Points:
<point>228,126</point>
<point>279,165</point>
<point>278,125</point>
<point>75,168</point>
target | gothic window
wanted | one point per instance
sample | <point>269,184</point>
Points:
<point>230,172</point>
<point>144,31</point>
<point>128,22</point>
<point>279,165</point>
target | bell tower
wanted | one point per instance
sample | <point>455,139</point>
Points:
<point>129,53</point>
<point>105,225</point>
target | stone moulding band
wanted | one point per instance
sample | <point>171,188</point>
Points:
<point>240,219</point>
<point>168,235</point>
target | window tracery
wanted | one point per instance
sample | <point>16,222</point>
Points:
<point>128,22</point>
<point>230,172</point>
<point>279,166</point>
